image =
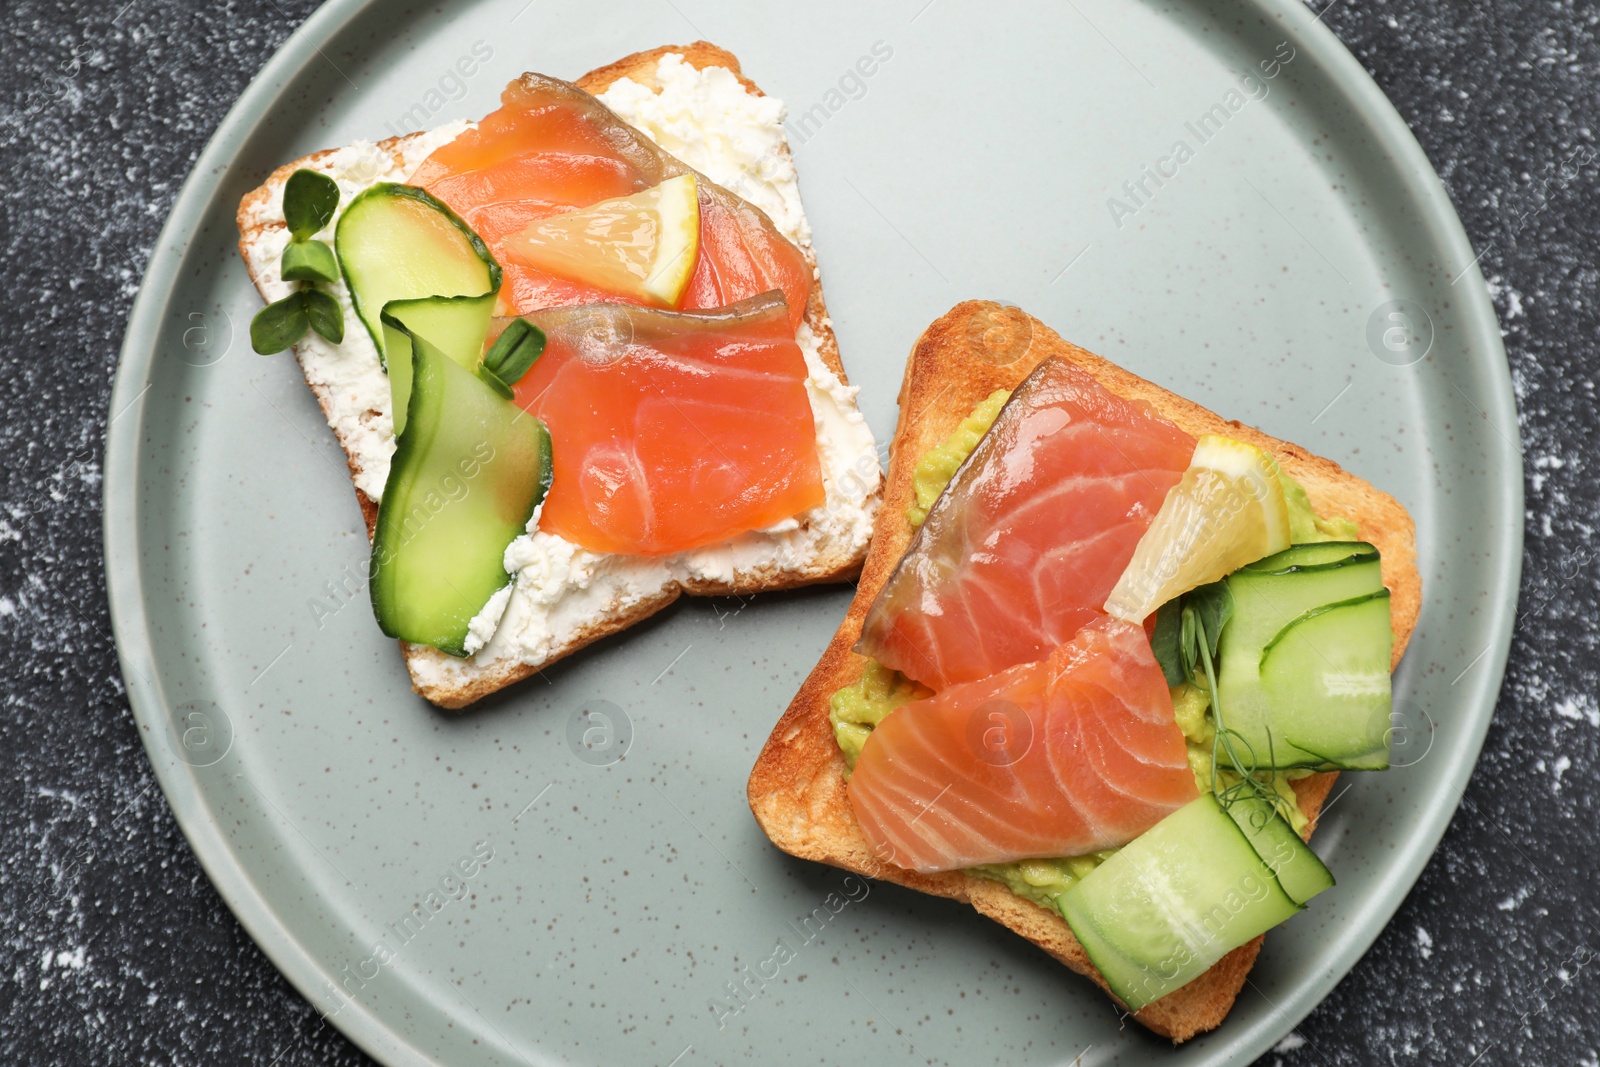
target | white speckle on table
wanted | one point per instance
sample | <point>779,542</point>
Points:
<point>1581,708</point>
<point>75,959</point>
<point>1560,767</point>
<point>1514,901</point>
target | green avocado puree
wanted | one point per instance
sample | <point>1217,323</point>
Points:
<point>1305,525</point>
<point>855,709</point>
<point>938,464</point>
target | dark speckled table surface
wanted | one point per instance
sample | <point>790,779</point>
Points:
<point>134,958</point>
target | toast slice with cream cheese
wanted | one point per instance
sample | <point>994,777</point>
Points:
<point>563,596</point>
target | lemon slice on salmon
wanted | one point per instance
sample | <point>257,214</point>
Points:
<point>1227,510</point>
<point>644,245</point>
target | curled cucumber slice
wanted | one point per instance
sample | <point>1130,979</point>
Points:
<point>1174,901</point>
<point>469,469</point>
<point>1326,678</point>
<point>1320,699</point>
<point>456,325</point>
<point>398,242</point>
<point>1299,870</point>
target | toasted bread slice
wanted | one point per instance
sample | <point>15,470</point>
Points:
<point>797,789</point>
<point>455,683</point>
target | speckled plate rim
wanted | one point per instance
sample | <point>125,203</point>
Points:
<point>1232,1045</point>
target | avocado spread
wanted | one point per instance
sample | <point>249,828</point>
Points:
<point>855,709</point>
<point>1305,525</point>
<point>938,464</point>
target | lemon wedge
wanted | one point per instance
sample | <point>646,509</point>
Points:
<point>1227,510</point>
<point>644,245</point>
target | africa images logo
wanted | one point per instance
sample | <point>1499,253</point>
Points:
<point>741,991</point>
<point>1200,131</point>
<point>452,884</point>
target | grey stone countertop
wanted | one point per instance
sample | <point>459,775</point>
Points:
<point>133,958</point>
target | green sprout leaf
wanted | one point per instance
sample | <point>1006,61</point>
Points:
<point>1213,607</point>
<point>511,355</point>
<point>1189,644</point>
<point>1185,642</point>
<point>279,324</point>
<point>325,314</point>
<point>309,201</point>
<point>488,378</point>
<point>514,351</point>
<point>309,261</point>
<point>1164,642</point>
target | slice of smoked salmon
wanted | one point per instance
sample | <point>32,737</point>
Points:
<point>552,148</point>
<point>672,430</point>
<point>1029,537</point>
<point>1059,757</point>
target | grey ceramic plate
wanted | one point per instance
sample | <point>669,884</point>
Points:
<point>1258,277</point>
